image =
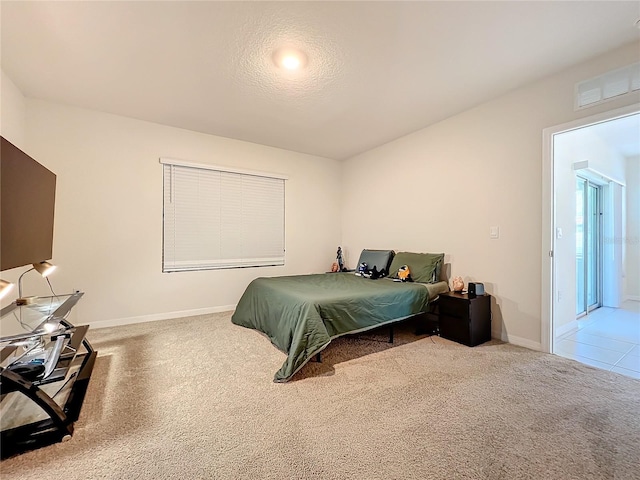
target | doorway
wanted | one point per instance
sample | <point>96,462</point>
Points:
<point>591,275</point>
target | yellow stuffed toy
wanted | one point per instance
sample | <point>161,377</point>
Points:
<point>404,274</point>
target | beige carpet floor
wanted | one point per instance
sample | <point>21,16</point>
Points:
<point>194,398</point>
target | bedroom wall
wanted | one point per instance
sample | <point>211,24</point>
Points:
<point>441,188</point>
<point>12,112</point>
<point>632,236</point>
<point>108,224</point>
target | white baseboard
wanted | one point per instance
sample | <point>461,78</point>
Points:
<point>521,342</point>
<point>564,329</point>
<point>634,298</point>
<point>116,322</point>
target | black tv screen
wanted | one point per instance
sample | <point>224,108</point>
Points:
<point>27,201</point>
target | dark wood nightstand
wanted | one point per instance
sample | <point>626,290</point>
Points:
<point>465,319</point>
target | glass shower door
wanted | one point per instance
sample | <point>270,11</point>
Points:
<point>588,246</point>
<point>580,254</point>
<point>593,246</point>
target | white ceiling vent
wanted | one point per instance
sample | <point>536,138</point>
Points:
<point>611,84</point>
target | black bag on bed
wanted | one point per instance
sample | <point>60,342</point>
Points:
<point>378,259</point>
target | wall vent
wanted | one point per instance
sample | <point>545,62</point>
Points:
<point>607,86</point>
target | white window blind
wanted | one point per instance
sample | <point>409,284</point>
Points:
<point>609,85</point>
<point>221,219</point>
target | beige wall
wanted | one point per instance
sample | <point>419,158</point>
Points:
<point>108,225</point>
<point>12,127</point>
<point>437,190</point>
<point>12,112</point>
<point>441,189</point>
<point>632,236</point>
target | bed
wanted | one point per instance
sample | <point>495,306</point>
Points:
<point>301,314</point>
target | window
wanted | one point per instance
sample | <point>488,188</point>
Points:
<point>221,218</point>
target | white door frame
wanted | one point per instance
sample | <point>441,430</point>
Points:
<point>549,209</point>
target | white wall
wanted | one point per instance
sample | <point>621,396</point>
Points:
<point>441,188</point>
<point>438,190</point>
<point>108,224</point>
<point>12,112</point>
<point>612,255</point>
<point>13,128</point>
<point>632,236</point>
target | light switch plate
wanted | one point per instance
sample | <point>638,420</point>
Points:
<point>494,232</point>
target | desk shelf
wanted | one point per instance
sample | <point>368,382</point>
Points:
<point>37,410</point>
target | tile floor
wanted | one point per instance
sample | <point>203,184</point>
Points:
<point>607,338</point>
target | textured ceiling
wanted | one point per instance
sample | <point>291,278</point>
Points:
<point>376,70</point>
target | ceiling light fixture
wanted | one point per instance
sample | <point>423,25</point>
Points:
<point>290,59</point>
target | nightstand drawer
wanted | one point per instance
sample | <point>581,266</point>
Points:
<point>454,307</point>
<point>456,329</point>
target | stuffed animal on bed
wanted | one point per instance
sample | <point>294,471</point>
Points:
<point>363,268</point>
<point>404,274</point>
<point>373,274</point>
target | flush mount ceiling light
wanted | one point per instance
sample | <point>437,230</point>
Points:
<point>289,59</point>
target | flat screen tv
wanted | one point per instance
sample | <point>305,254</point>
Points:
<point>27,201</point>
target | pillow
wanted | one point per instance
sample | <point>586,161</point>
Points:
<point>425,267</point>
<point>381,259</point>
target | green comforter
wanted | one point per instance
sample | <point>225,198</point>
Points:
<point>302,314</point>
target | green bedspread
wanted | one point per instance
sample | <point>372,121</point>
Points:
<point>302,314</point>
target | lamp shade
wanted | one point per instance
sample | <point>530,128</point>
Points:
<point>44,268</point>
<point>5,287</point>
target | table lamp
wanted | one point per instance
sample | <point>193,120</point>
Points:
<point>44,269</point>
<point>5,287</point>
